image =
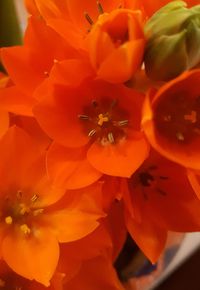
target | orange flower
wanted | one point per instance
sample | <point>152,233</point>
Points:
<point>34,218</point>
<point>96,130</point>
<point>158,198</point>
<point>116,41</point>
<point>30,65</point>
<point>171,119</point>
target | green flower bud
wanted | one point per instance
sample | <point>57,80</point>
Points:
<point>173,41</point>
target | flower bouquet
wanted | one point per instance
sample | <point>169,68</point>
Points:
<point>99,140</point>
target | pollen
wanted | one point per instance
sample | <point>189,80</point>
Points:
<point>8,220</point>
<point>102,119</point>
<point>25,229</point>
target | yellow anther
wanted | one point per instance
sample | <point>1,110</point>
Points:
<point>102,119</point>
<point>2,283</point>
<point>24,209</point>
<point>25,229</point>
<point>38,211</point>
<point>8,220</point>
<point>34,197</point>
<point>192,117</point>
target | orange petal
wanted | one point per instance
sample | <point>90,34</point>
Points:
<point>63,74</point>
<point>149,237</point>
<point>14,100</point>
<point>121,159</point>
<point>4,122</point>
<point>69,168</point>
<point>58,115</point>
<point>126,60</point>
<point>72,224</point>
<point>21,69</point>
<point>194,178</point>
<point>18,153</point>
<point>98,274</point>
<point>35,257</point>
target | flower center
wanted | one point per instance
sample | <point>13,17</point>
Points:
<point>150,180</point>
<point>178,118</point>
<point>104,122</point>
<point>16,211</point>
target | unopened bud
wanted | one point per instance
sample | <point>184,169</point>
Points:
<point>173,41</point>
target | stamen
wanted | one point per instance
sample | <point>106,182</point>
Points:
<point>191,117</point>
<point>102,119</point>
<point>88,18</point>
<point>38,211</point>
<point>113,104</point>
<point>122,123</point>
<point>180,136</point>
<point>2,283</point>
<point>19,194</point>
<point>92,133</point>
<point>34,198</point>
<point>162,192</point>
<point>111,138</point>
<point>100,8</point>
<point>24,209</point>
<point>25,229</point>
<point>8,220</point>
<point>83,117</point>
<point>94,103</point>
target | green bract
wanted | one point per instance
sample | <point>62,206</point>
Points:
<point>173,41</point>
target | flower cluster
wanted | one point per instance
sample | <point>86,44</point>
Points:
<point>99,137</point>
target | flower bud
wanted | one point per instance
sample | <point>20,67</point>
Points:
<point>173,41</point>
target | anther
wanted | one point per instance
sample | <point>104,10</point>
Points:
<point>92,133</point>
<point>111,138</point>
<point>25,229</point>
<point>34,198</point>
<point>180,136</point>
<point>83,117</point>
<point>192,117</point>
<point>88,18</point>
<point>19,194</point>
<point>122,123</point>
<point>8,220</point>
<point>102,119</point>
<point>38,211</point>
<point>24,209</point>
<point>94,103</point>
<point>100,8</point>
